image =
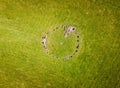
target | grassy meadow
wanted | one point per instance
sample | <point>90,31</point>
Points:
<point>24,62</point>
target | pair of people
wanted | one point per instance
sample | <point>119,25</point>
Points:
<point>68,31</point>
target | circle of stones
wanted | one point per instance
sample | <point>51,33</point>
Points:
<point>76,47</point>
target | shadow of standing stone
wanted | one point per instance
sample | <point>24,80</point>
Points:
<point>77,46</point>
<point>76,51</point>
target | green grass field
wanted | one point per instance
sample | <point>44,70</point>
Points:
<point>24,62</point>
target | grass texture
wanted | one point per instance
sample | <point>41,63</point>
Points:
<point>24,62</point>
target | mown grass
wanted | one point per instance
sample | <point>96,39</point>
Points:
<point>23,61</point>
